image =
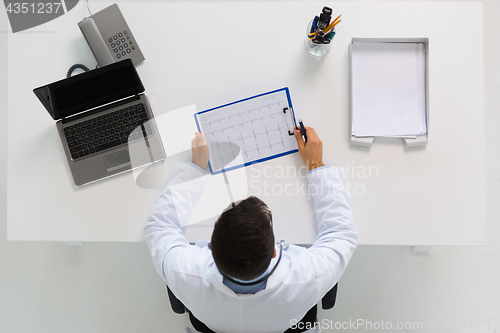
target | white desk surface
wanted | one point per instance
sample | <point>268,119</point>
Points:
<point>433,195</point>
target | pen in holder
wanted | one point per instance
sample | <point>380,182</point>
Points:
<point>317,42</point>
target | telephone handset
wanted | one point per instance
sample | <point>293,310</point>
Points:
<point>109,37</point>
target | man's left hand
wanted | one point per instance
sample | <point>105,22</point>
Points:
<point>199,151</point>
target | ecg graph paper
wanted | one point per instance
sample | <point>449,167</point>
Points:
<point>249,131</point>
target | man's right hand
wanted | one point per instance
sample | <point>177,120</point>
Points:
<point>310,152</point>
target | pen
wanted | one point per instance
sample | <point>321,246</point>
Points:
<point>330,35</point>
<point>314,26</point>
<point>303,130</point>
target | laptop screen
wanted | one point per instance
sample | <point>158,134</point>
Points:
<point>91,89</point>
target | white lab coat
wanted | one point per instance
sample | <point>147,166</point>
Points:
<point>301,279</point>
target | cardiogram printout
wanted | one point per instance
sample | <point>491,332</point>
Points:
<point>249,131</point>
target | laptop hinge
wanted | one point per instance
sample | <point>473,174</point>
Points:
<point>99,109</point>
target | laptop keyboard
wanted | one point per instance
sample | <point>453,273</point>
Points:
<point>107,131</point>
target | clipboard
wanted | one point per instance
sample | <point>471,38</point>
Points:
<point>249,131</point>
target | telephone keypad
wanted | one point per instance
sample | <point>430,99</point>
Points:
<point>121,42</point>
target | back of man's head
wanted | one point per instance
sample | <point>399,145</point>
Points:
<point>243,241</point>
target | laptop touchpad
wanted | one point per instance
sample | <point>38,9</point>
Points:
<point>117,160</point>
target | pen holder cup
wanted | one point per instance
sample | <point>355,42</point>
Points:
<point>315,47</point>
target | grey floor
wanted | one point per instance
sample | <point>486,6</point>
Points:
<point>112,287</point>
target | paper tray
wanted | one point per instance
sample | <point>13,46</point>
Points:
<point>421,140</point>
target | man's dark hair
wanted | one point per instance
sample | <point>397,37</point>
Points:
<point>243,241</point>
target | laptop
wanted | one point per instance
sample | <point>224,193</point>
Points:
<point>104,121</point>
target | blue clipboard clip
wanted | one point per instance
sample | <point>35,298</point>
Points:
<point>290,120</point>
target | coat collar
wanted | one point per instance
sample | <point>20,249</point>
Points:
<point>215,277</point>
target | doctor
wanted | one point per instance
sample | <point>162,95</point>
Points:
<point>242,281</point>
